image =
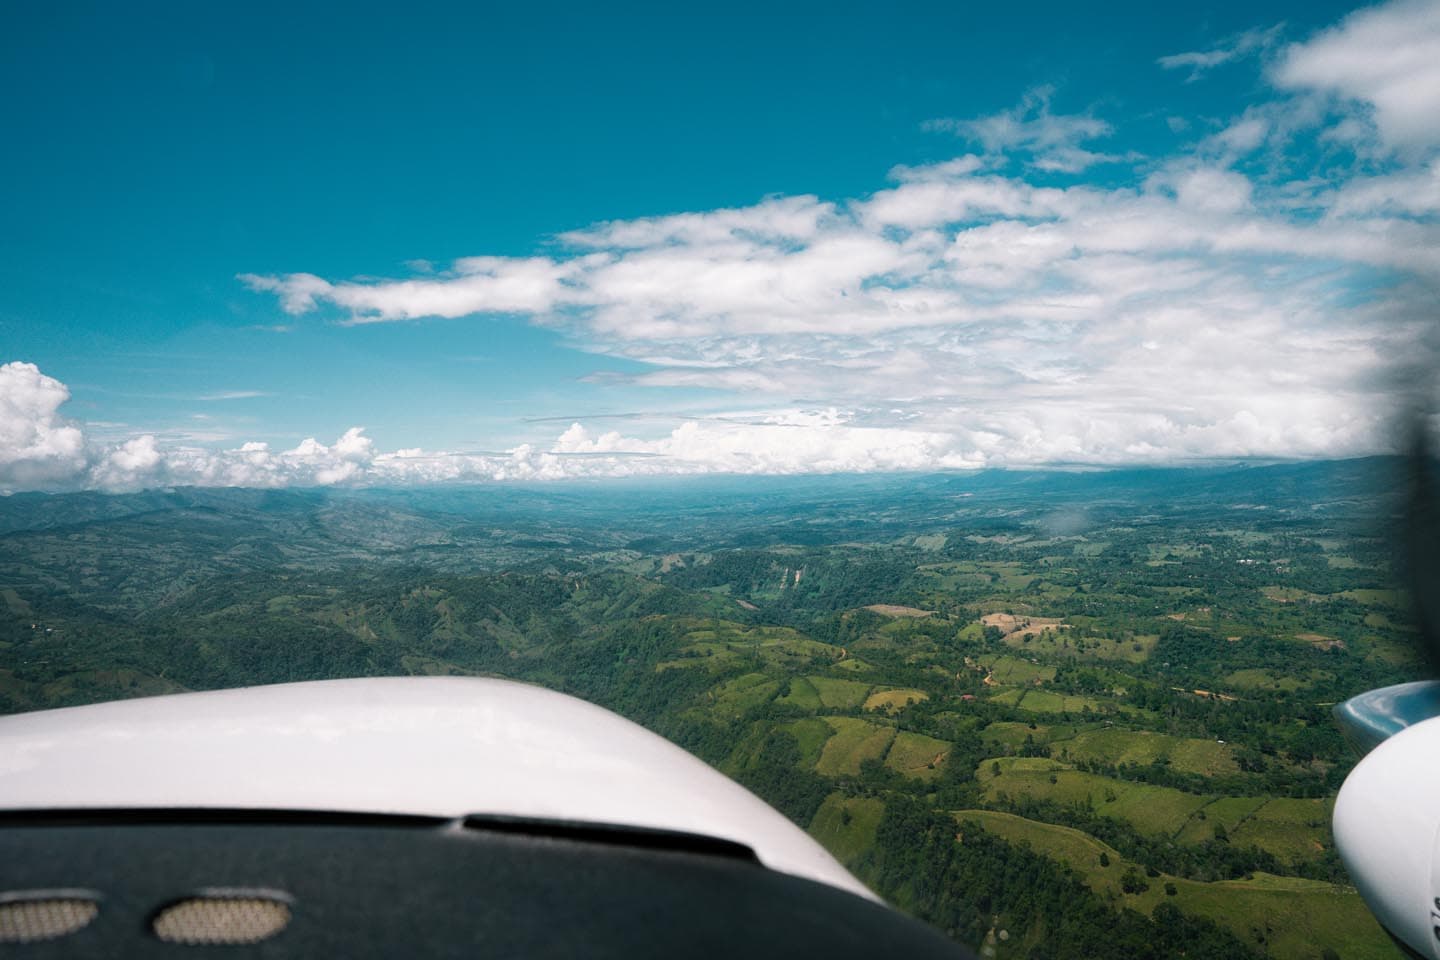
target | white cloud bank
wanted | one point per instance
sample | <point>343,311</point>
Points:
<point>54,454</point>
<point>1253,295</point>
<point>42,450</point>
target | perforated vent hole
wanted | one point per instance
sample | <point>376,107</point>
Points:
<point>27,918</point>
<point>232,918</point>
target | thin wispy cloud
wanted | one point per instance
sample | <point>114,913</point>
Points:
<point>1245,44</point>
<point>1053,141</point>
<point>233,395</point>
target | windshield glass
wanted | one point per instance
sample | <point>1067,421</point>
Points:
<point>972,430</point>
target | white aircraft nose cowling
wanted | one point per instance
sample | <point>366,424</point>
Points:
<point>430,746</point>
<point>1386,821</point>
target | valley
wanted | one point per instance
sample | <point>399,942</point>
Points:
<point>1054,714</point>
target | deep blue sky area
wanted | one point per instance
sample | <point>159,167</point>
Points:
<point>156,150</point>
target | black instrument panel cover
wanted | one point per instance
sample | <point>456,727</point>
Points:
<point>416,887</point>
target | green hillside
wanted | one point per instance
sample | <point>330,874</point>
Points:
<point>884,662</point>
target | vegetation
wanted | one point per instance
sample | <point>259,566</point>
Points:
<point>1102,737</point>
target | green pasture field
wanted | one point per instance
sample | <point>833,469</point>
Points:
<point>1297,918</point>
<point>1004,576</point>
<point>802,694</point>
<point>1117,745</point>
<point>847,841</point>
<point>1064,643</point>
<point>1287,594</point>
<point>1380,598</point>
<point>1012,670</point>
<point>840,694</point>
<point>744,692</point>
<point>972,632</point>
<point>718,657</point>
<point>1044,701</point>
<point>811,734</point>
<point>1012,733</point>
<point>916,755</point>
<point>854,741</point>
<point>1150,809</point>
<point>893,701</point>
<point>1074,848</point>
<point>1292,829</point>
<point>1226,812</point>
<point>720,645</point>
<point>948,578</point>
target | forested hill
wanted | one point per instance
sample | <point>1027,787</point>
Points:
<point>1080,714</point>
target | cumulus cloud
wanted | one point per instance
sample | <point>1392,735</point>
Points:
<point>1213,190</point>
<point>38,447</point>
<point>1385,58</point>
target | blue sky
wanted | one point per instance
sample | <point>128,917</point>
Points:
<point>923,236</point>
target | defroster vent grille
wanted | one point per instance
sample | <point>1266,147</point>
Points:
<point>215,917</point>
<point>28,916</point>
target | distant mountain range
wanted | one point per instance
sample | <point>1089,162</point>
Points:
<point>1314,485</point>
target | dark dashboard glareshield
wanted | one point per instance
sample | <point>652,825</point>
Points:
<point>308,885</point>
